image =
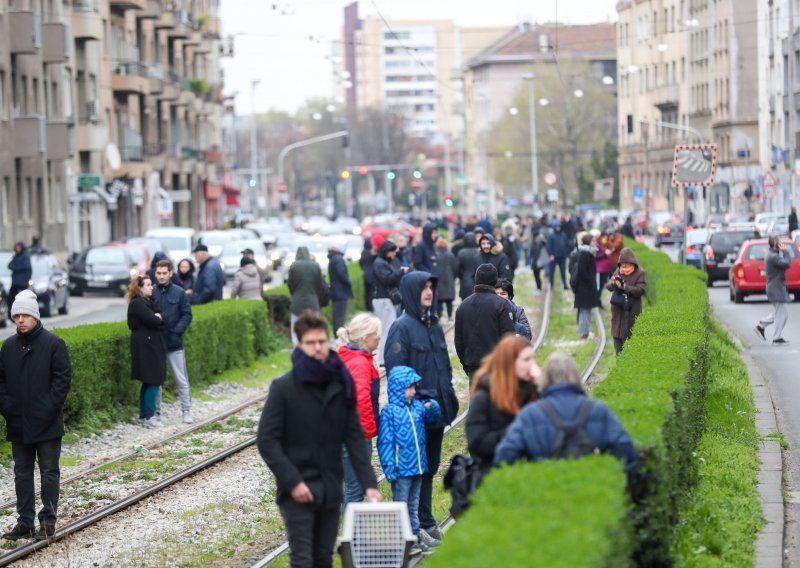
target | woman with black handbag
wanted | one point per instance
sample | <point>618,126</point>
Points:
<point>627,286</point>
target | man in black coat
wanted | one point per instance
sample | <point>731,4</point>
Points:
<point>481,320</point>
<point>491,252</point>
<point>35,378</point>
<point>210,278</point>
<point>468,262</point>
<point>21,271</point>
<point>174,304</point>
<point>310,412</point>
<point>367,258</point>
<point>341,288</point>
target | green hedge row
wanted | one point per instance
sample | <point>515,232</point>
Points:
<point>658,390</point>
<point>225,334</point>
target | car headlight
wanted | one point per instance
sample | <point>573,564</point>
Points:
<point>134,272</point>
<point>262,264</point>
<point>40,288</point>
<point>275,256</point>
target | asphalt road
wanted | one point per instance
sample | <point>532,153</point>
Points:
<point>779,366</point>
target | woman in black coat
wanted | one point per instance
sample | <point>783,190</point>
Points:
<point>584,284</point>
<point>185,274</point>
<point>148,350</point>
<point>506,384</point>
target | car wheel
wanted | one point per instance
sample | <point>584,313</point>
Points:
<point>730,293</point>
<point>64,310</point>
<point>76,292</point>
<point>46,311</point>
<point>738,297</point>
<point>797,296</point>
<point>709,281</point>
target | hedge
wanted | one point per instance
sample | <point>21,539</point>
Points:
<point>222,335</point>
<point>658,391</point>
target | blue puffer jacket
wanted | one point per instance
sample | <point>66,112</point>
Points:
<point>401,432</point>
<point>417,340</point>
<point>173,302</point>
<point>531,435</point>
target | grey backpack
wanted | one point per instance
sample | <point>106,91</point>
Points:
<point>571,441</point>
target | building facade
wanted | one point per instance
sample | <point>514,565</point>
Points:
<point>109,118</point>
<point>688,73</point>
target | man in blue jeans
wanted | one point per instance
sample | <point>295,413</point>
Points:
<point>174,304</point>
<point>35,378</point>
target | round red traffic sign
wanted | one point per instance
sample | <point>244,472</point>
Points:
<point>550,178</point>
<point>281,187</point>
<point>416,184</point>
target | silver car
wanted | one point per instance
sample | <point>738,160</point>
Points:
<point>231,256</point>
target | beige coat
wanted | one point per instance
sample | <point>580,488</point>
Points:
<point>247,283</point>
<point>635,286</point>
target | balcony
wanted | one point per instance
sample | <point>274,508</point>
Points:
<point>91,137</point>
<point>61,141</point>
<point>86,23</point>
<point>56,43</point>
<point>131,148</point>
<point>131,78</point>
<point>667,98</point>
<point>30,138</point>
<point>211,28</point>
<point>122,5</point>
<point>152,11</point>
<point>153,149</point>
<point>26,32</point>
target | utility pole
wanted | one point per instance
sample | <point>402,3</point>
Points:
<point>253,150</point>
<point>532,127</point>
<point>793,200</point>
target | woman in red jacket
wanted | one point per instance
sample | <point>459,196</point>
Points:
<point>358,341</point>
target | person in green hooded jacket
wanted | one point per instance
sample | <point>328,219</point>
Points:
<point>305,286</point>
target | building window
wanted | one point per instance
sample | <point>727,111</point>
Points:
<point>4,201</point>
<point>24,201</point>
<point>3,114</point>
<point>35,95</point>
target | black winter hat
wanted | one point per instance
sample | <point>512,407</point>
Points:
<point>486,274</point>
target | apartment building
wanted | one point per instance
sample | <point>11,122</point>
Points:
<point>688,73</point>
<point>778,64</point>
<point>110,118</point>
<point>493,76</point>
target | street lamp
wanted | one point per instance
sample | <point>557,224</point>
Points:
<point>532,127</point>
<point>253,141</point>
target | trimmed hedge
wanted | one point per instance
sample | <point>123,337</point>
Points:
<point>519,518</point>
<point>658,391</point>
<point>225,334</point>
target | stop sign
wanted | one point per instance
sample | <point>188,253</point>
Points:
<point>416,184</point>
<point>281,187</point>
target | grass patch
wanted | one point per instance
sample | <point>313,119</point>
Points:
<point>720,523</point>
<point>69,461</point>
<point>259,372</point>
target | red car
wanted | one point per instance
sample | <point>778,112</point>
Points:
<point>747,275</point>
<point>388,228</point>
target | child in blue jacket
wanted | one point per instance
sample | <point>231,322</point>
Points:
<point>401,440</point>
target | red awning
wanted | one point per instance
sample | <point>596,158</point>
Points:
<point>231,196</point>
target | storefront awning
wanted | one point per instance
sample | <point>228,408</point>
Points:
<point>231,196</point>
<point>212,191</point>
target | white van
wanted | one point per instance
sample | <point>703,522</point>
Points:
<point>178,240</point>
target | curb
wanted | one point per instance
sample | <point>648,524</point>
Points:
<point>769,546</point>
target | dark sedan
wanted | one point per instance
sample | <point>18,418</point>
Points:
<point>102,269</point>
<point>720,253</point>
<point>669,232</point>
<point>51,284</point>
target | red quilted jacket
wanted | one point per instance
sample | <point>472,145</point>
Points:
<point>367,380</point>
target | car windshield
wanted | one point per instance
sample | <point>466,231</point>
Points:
<point>759,252</point>
<point>137,253</point>
<point>729,241</point>
<point>40,266</point>
<point>214,239</point>
<point>107,255</point>
<point>175,243</point>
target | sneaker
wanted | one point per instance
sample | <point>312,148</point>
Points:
<point>419,549</point>
<point>780,341</point>
<point>428,539</point>
<point>187,417</point>
<point>45,532</point>
<point>415,550</point>
<point>152,422</point>
<point>434,533</point>
<point>20,531</point>
<point>760,332</point>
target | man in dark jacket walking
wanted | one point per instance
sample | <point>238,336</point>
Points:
<point>417,340</point>
<point>425,252</point>
<point>584,284</point>
<point>309,414</point>
<point>210,278</point>
<point>491,252</point>
<point>367,258</point>
<point>469,260</point>
<point>341,288</point>
<point>21,272</point>
<point>776,264</point>
<point>305,285</point>
<point>35,378</point>
<point>481,320</point>
<point>558,247</point>
<point>174,304</point>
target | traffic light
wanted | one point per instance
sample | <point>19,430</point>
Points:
<point>391,175</point>
<point>252,182</point>
<point>363,170</point>
<point>417,174</point>
<point>448,200</point>
<point>345,174</point>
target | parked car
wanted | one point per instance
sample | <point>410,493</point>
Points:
<point>669,232</point>
<point>779,226</point>
<point>715,221</point>
<point>386,228</point>
<point>138,253</point>
<point>102,269</point>
<point>747,275</point>
<point>231,256</point>
<point>216,240</point>
<point>318,247</point>
<point>178,240</point>
<point>692,249</point>
<point>51,283</point>
<point>152,244</point>
<point>762,221</point>
<point>348,225</point>
<point>720,251</point>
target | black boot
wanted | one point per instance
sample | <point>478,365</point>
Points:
<point>19,531</point>
<point>45,532</point>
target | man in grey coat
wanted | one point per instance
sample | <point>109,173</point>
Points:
<point>776,264</point>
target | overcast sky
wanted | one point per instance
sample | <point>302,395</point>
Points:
<point>287,45</point>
